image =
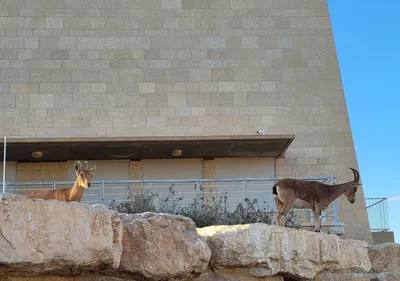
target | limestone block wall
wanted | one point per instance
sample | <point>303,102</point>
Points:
<point>181,67</point>
<point>209,172</point>
<point>11,175</point>
<point>11,171</point>
<point>40,172</point>
<point>135,173</point>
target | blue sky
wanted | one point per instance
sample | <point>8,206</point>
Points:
<point>367,39</point>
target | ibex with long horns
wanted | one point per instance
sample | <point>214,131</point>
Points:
<point>314,195</point>
<point>83,180</point>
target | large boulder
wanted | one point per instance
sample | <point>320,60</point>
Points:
<point>49,236</point>
<point>162,247</point>
<point>385,257</point>
<point>267,250</point>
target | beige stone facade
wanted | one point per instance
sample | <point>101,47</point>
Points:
<point>179,68</point>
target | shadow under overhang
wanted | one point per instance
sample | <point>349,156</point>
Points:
<point>138,148</point>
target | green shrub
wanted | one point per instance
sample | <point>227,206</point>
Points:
<point>202,210</point>
<point>137,203</point>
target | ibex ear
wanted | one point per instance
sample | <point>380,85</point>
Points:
<point>77,167</point>
<point>92,169</point>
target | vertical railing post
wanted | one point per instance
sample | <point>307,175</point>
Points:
<point>335,212</point>
<point>151,188</point>
<point>244,193</point>
<point>335,205</point>
<point>386,216</point>
<point>53,185</point>
<point>4,164</point>
<point>198,188</point>
<point>102,192</point>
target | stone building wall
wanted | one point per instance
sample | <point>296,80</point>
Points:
<point>181,67</point>
<point>39,172</point>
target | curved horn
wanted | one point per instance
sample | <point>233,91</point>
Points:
<point>78,164</point>
<point>356,175</point>
<point>77,167</point>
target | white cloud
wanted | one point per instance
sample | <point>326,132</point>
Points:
<point>394,198</point>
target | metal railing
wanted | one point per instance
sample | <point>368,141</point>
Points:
<point>236,191</point>
<point>377,209</point>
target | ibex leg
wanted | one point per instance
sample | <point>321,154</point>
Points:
<point>317,217</point>
<point>279,206</point>
<point>286,208</point>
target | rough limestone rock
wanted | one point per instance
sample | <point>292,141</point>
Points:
<point>267,250</point>
<point>162,246</point>
<point>385,257</point>
<point>385,276</point>
<point>49,236</point>
<point>82,277</point>
<point>230,275</point>
<point>234,274</point>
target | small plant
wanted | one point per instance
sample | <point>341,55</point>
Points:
<point>170,202</point>
<point>136,203</point>
<point>292,220</point>
<point>203,210</point>
<point>250,212</point>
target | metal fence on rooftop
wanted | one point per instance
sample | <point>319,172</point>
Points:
<point>236,191</point>
<point>378,216</point>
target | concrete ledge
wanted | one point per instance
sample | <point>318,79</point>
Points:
<point>137,148</point>
<point>382,237</point>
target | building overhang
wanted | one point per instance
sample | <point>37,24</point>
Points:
<point>138,148</point>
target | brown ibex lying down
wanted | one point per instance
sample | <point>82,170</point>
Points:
<point>314,195</point>
<point>83,179</point>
